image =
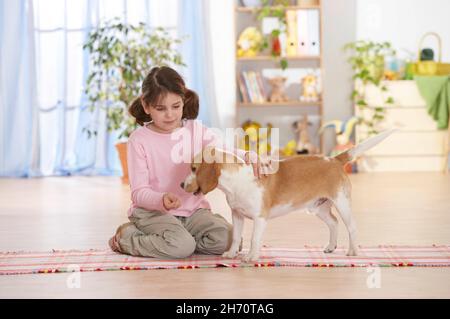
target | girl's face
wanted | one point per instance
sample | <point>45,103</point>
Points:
<point>167,113</point>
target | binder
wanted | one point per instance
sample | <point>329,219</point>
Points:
<point>302,32</point>
<point>313,32</point>
<point>291,28</point>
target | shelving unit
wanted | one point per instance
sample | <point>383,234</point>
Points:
<point>283,114</point>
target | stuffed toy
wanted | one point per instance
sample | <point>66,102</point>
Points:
<point>344,131</point>
<point>304,145</point>
<point>256,139</point>
<point>289,149</point>
<point>277,94</point>
<point>250,42</point>
<point>310,91</point>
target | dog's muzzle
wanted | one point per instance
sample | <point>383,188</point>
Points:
<point>198,191</point>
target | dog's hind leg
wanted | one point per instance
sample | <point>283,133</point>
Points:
<point>342,204</point>
<point>324,213</point>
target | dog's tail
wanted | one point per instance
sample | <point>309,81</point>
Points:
<point>351,154</point>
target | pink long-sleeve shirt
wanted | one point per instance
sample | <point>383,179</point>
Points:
<point>159,162</point>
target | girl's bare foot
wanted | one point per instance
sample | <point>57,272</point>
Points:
<point>114,244</point>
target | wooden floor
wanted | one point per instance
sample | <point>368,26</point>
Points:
<point>83,212</point>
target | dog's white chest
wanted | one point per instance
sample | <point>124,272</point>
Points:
<point>242,192</point>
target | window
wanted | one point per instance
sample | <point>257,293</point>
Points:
<point>61,27</point>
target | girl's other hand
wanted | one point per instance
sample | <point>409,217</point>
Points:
<point>171,201</point>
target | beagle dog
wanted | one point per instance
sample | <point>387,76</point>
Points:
<point>308,183</point>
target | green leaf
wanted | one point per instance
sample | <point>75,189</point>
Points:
<point>361,103</point>
<point>390,100</point>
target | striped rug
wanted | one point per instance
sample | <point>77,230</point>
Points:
<point>14,263</point>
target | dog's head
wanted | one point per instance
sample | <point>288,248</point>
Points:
<point>205,172</point>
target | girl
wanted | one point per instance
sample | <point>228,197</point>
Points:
<point>166,221</point>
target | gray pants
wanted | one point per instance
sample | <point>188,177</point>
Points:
<point>161,235</point>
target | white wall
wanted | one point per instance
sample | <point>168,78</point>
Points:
<point>339,28</point>
<point>403,22</point>
<point>222,30</point>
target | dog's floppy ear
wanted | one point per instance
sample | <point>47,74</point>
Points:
<point>209,154</point>
<point>208,176</point>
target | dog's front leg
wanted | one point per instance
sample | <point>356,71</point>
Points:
<point>238,225</point>
<point>259,225</point>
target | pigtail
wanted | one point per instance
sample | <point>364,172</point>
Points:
<point>191,105</point>
<point>136,109</point>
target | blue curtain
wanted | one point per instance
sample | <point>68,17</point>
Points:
<point>19,132</point>
<point>196,51</point>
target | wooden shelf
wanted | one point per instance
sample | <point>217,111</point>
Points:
<point>269,58</point>
<point>254,85</point>
<point>253,9</point>
<point>289,103</point>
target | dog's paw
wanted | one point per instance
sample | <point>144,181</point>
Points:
<point>329,249</point>
<point>352,252</point>
<point>250,257</point>
<point>229,254</point>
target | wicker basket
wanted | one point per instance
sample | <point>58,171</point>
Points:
<point>431,67</point>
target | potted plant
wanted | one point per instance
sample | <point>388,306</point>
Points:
<point>275,9</point>
<point>367,62</point>
<point>121,55</point>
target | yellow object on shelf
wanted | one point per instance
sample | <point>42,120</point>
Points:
<point>431,67</point>
<point>250,42</point>
<point>290,148</point>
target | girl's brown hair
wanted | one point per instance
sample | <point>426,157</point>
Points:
<point>156,85</point>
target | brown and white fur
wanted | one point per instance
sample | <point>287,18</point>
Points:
<point>308,183</point>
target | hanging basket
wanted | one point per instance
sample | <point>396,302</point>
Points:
<point>431,67</point>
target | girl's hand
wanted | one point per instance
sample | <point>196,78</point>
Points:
<point>171,201</point>
<point>260,166</point>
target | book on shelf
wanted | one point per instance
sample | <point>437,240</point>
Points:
<point>251,87</point>
<point>261,86</point>
<point>256,87</point>
<point>248,87</point>
<point>242,90</point>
